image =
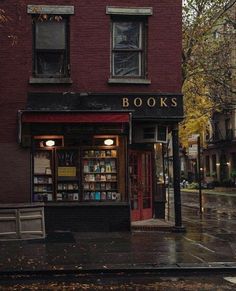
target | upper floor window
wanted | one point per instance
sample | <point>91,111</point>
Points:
<point>128,48</point>
<point>128,44</point>
<point>50,43</point>
<point>51,47</point>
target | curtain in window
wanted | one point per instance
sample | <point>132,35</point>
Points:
<point>126,63</point>
<point>127,48</point>
<point>126,35</point>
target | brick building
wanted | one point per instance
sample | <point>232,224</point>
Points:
<point>88,94</point>
<point>220,154</point>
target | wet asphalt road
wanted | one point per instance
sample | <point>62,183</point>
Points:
<point>218,216</point>
<point>213,230</point>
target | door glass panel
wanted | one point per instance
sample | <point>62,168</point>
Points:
<point>146,203</point>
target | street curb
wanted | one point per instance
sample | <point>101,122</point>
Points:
<point>165,270</point>
<point>196,191</point>
<point>152,228</point>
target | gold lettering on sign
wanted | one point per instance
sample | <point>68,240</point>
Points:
<point>173,102</point>
<point>163,104</point>
<point>151,102</point>
<point>138,102</point>
<point>125,102</point>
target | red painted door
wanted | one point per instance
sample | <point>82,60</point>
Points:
<point>140,174</point>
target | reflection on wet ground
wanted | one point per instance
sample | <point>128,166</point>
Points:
<point>210,241</point>
<point>210,236</point>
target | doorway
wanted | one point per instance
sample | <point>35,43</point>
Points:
<point>140,178</point>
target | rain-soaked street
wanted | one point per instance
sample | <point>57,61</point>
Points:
<point>213,230</point>
<point>218,213</point>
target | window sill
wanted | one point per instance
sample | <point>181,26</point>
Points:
<point>129,81</point>
<point>50,80</point>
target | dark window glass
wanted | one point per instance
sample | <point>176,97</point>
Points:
<point>214,163</point>
<point>50,63</point>
<point>216,134</point>
<point>127,35</point>
<point>207,164</point>
<point>161,133</point>
<point>128,49</point>
<point>126,64</point>
<point>233,161</point>
<point>50,35</point>
<point>50,55</point>
<point>149,133</point>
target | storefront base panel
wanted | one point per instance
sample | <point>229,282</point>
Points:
<point>87,217</point>
<point>159,209</point>
<point>22,221</point>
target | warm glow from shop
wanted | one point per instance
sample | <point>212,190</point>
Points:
<point>50,143</point>
<point>108,142</point>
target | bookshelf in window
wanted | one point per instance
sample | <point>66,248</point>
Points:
<point>42,176</point>
<point>99,175</point>
<point>67,175</point>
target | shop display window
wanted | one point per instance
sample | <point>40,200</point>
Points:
<point>82,173</point>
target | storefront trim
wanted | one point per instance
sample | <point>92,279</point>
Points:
<point>71,117</point>
<point>67,117</point>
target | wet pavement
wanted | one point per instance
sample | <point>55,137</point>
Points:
<point>209,242</point>
<point>102,251</point>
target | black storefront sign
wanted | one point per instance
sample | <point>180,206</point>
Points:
<point>144,106</point>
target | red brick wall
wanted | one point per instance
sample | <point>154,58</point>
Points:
<point>90,63</point>
<point>14,174</point>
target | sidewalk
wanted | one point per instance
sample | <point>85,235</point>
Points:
<point>107,252</point>
<point>205,245</point>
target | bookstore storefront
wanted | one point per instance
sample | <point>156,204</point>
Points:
<point>78,157</point>
<point>95,169</point>
<point>79,168</point>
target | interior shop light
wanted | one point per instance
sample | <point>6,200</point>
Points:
<point>108,141</point>
<point>50,143</point>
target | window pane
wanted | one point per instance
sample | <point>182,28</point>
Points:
<point>50,35</point>
<point>149,133</point>
<point>127,63</point>
<point>161,132</point>
<point>50,63</point>
<point>126,35</point>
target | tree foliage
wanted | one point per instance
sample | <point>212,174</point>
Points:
<point>206,62</point>
<point>3,17</point>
